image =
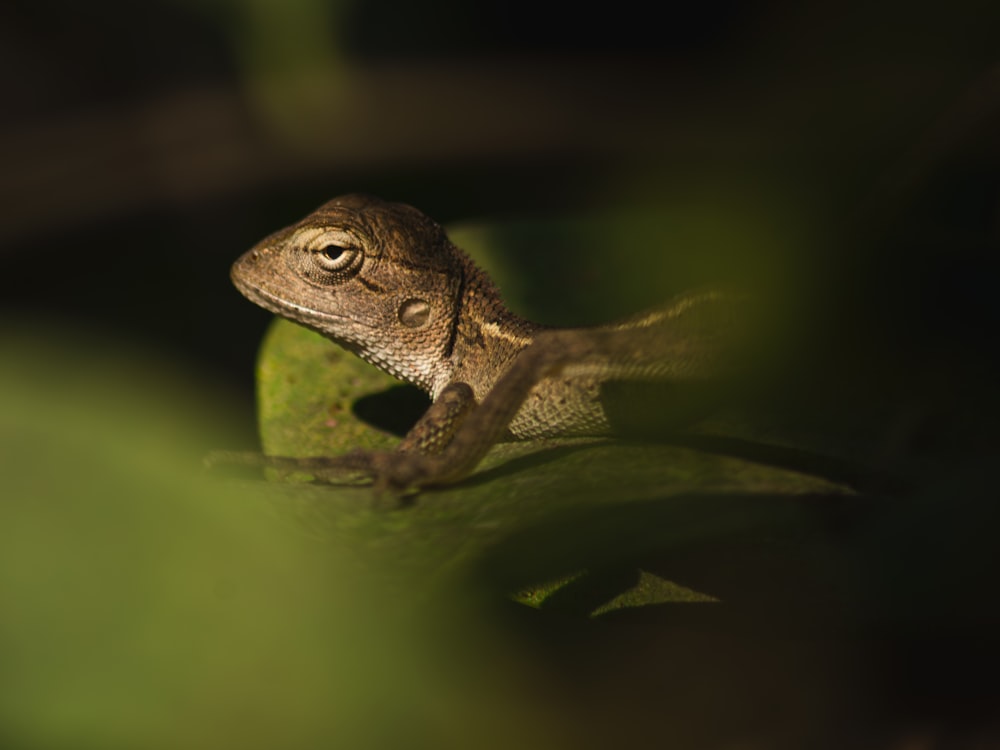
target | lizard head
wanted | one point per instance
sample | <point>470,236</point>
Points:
<point>380,279</point>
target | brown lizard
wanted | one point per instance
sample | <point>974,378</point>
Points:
<point>383,281</point>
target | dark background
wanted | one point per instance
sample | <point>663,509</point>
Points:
<point>144,146</point>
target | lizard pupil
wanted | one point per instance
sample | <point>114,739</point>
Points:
<point>336,258</point>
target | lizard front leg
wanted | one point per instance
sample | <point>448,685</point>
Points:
<point>432,432</point>
<point>448,441</point>
<point>427,438</point>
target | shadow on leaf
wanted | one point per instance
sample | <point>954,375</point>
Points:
<point>769,557</point>
<point>394,410</point>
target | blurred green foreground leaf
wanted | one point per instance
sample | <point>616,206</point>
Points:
<point>144,605</point>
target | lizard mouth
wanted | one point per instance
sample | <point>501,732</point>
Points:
<point>286,308</point>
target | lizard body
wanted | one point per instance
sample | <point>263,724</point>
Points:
<point>384,281</point>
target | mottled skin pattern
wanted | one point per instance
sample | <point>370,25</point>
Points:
<point>383,280</point>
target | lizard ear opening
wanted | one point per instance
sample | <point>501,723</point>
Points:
<point>414,313</point>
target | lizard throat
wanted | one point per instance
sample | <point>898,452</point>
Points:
<point>426,373</point>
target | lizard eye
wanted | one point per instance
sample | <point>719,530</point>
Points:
<point>334,258</point>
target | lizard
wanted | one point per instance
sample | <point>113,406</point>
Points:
<point>383,281</point>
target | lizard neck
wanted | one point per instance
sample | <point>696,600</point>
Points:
<point>487,336</point>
